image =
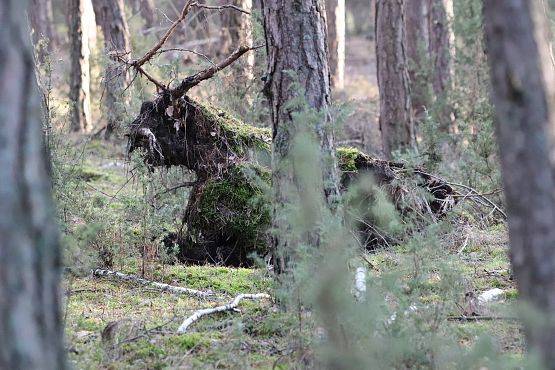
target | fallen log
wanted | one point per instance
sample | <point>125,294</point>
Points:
<point>197,315</point>
<point>153,284</point>
<point>228,214</point>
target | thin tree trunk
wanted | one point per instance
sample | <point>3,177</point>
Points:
<point>440,47</point>
<point>147,10</point>
<point>396,119</point>
<point>417,50</point>
<point>287,24</point>
<point>30,322</point>
<point>523,83</point>
<point>79,94</point>
<point>335,15</point>
<point>237,30</point>
<point>42,21</point>
<point>110,14</point>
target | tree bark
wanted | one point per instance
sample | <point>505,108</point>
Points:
<point>396,119</point>
<point>147,10</point>
<point>30,323</point>
<point>296,41</point>
<point>79,94</point>
<point>417,50</point>
<point>42,20</point>
<point>440,47</point>
<point>110,14</point>
<point>523,83</point>
<point>335,16</point>
<point>237,30</point>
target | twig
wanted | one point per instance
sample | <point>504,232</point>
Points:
<point>221,7</point>
<point>160,286</point>
<point>173,188</point>
<point>466,187</point>
<point>481,318</point>
<point>185,50</point>
<point>155,48</point>
<point>208,311</point>
<point>207,73</point>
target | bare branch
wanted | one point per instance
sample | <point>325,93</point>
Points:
<point>161,286</point>
<point>221,7</point>
<point>158,46</point>
<point>207,73</point>
<point>228,307</point>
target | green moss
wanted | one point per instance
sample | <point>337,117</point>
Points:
<point>87,173</point>
<point>237,204</point>
<point>346,158</point>
<point>144,349</point>
<point>231,281</point>
<point>89,324</point>
<point>240,134</point>
<point>187,342</point>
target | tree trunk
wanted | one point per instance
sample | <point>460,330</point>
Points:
<point>417,50</point>
<point>440,47</point>
<point>42,21</point>
<point>110,14</point>
<point>237,30</point>
<point>296,41</point>
<point>335,15</point>
<point>79,93</point>
<point>31,333</point>
<point>523,93</point>
<point>147,10</point>
<point>396,119</point>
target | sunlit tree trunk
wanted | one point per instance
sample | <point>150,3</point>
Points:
<point>523,83</point>
<point>42,25</point>
<point>110,14</point>
<point>440,46</point>
<point>335,14</point>
<point>287,24</point>
<point>30,322</point>
<point>396,119</point>
<point>417,51</point>
<point>79,94</point>
<point>237,30</point>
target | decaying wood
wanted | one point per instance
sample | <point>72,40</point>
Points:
<point>228,216</point>
<point>153,284</point>
<point>208,311</point>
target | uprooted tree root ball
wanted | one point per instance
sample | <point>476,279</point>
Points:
<point>228,214</point>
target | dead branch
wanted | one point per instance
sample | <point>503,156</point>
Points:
<point>221,7</point>
<point>159,286</point>
<point>481,318</point>
<point>207,73</point>
<point>174,188</point>
<point>185,50</point>
<point>138,63</point>
<point>208,311</point>
<point>473,194</point>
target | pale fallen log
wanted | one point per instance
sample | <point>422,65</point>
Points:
<point>160,286</point>
<point>208,311</point>
<point>360,284</point>
<point>491,295</point>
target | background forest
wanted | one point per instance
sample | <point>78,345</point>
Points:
<point>277,184</point>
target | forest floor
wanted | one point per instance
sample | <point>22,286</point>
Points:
<point>112,324</point>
